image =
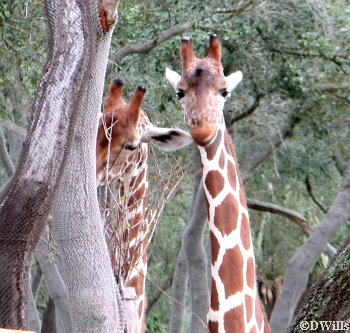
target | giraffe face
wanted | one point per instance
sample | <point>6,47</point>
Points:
<point>118,133</point>
<point>202,89</point>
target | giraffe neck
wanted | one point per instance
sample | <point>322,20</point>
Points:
<point>132,216</point>
<point>234,305</point>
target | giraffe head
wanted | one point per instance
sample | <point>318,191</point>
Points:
<point>124,127</point>
<point>202,89</point>
<point>118,131</point>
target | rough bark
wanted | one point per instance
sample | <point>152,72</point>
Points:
<point>27,199</point>
<point>326,306</point>
<point>77,227</point>
<point>76,39</point>
<point>301,264</point>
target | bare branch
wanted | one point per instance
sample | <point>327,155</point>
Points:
<point>249,111</point>
<point>299,219</point>
<point>4,156</point>
<point>282,211</point>
<point>309,190</point>
<point>147,47</point>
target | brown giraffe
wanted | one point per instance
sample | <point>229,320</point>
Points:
<point>202,90</point>
<point>122,152</point>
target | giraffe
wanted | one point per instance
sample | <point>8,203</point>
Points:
<point>202,90</point>
<point>121,154</point>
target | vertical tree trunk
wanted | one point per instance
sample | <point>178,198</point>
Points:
<point>61,132</point>
<point>56,288</point>
<point>77,225</point>
<point>192,262</point>
<point>179,288</point>
<point>49,318</point>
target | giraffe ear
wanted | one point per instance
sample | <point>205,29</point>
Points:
<point>233,79</point>
<point>168,139</point>
<point>172,77</point>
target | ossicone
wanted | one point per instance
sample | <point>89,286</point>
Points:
<point>116,88</point>
<point>214,47</point>
<point>187,52</point>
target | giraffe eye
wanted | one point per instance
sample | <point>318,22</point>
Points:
<point>180,94</point>
<point>224,93</point>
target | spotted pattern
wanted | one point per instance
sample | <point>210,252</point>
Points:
<point>234,290</point>
<point>235,306</point>
<point>130,169</point>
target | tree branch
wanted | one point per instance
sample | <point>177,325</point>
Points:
<point>299,219</point>
<point>282,211</point>
<point>309,190</point>
<point>4,156</point>
<point>249,111</point>
<point>147,47</point>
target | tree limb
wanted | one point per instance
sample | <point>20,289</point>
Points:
<point>249,111</point>
<point>4,156</point>
<point>299,219</point>
<point>311,194</point>
<point>282,211</point>
<point>147,47</point>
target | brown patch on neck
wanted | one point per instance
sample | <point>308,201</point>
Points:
<point>215,246</point>
<point>234,320</point>
<point>222,160</point>
<point>250,273</point>
<point>212,148</point>
<point>214,302</point>
<point>245,232</point>
<point>214,183</point>
<point>226,215</point>
<point>249,307</point>
<point>213,327</point>
<point>231,271</point>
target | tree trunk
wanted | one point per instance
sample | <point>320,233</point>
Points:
<point>197,263</point>
<point>326,307</point>
<point>192,262</point>
<point>77,225</point>
<point>300,266</point>
<point>69,97</point>
<point>49,318</point>
<point>56,288</point>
